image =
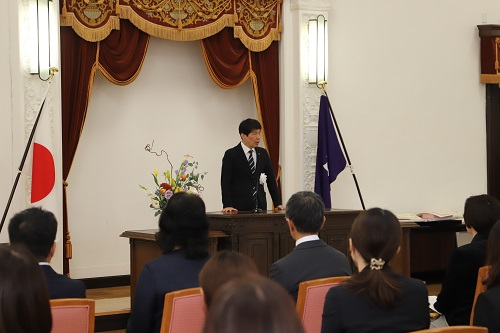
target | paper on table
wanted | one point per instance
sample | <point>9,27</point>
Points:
<point>432,300</point>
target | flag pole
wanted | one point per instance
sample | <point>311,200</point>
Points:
<point>322,84</point>
<point>26,150</point>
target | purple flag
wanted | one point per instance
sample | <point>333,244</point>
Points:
<point>330,160</point>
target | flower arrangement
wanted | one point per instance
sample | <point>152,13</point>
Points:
<point>184,179</point>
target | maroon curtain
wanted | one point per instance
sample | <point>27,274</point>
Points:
<point>120,58</point>
<point>229,63</point>
<point>77,63</point>
<point>122,53</point>
<point>265,65</point>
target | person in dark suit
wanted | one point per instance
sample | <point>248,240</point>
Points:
<point>487,310</point>
<point>459,286</point>
<point>376,299</point>
<point>239,181</point>
<point>183,239</point>
<point>35,229</point>
<point>311,258</point>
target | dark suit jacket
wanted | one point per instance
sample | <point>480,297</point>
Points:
<point>61,286</point>
<point>459,285</point>
<point>351,312</point>
<point>309,261</point>
<point>487,310</point>
<point>162,275</point>
<point>237,181</point>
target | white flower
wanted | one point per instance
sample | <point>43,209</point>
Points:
<point>262,178</point>
<point>155,204</point>
<point>193,190</point>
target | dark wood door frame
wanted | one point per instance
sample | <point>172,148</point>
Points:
<point>493,139</point>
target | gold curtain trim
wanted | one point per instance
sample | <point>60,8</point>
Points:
<point>68,247</point>
<point>490,78</point>
<point>132,79</point>
<point>89,34</point>
<point>256,45</point>
<point>175,34</point>
<point>214,76</point>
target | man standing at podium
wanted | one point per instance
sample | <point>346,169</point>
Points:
<point>245,169</point>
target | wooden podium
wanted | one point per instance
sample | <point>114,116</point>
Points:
<point>265,238</point>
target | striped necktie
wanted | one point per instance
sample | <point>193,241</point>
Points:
<point>251,161</point>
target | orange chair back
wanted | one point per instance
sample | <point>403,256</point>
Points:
<point>310,301</point>
<point>183,311</point>
<point>455,329</point>
<point>482,274</point>
<point>75,315</point>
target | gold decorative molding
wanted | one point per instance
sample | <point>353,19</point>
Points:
<point>256,22</point>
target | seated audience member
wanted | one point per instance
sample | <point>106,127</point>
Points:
<point>376,299</point>
<point>459,285</point>
<point>224,266</point>
<point>252,304</point>
<point>24,300</point>
<point>487,310</point>
<point>311,258</point>
<point>183,239</point>
<point>36,229</point>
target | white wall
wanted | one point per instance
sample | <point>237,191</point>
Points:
<point>174,102</point>
<point>11,114</point>
<point>404,84</point>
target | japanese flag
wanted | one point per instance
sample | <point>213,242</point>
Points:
<point>43,171</point>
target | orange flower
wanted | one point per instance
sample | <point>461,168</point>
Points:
<point>183,177</point>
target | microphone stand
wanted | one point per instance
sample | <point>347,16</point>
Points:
<point>322,84</point>
<point>26,150</point>
<point>257,209</point>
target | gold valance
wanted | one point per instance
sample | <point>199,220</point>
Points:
<point>257,23</point>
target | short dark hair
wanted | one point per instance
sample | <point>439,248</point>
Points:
<point>24,301</point>
<point>252,304</point>
<point>481,212</point>
<point>35,229</point>
<point>183,222</point>
<point>249,125</point>
<point>222,267</point>
<point>307,211</point>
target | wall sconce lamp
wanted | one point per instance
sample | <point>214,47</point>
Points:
<point>317,50</point>
<point>40,59</point>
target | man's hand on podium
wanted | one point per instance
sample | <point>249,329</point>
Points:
<point>229,210</point>
<point>280,207</point>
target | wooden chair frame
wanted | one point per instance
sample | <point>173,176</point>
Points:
<point>301,298</point>
<point>68,302</point>
<point>455,329</point>
<point>166,320</point>
<point>482,274</point>
<point>310,310</point>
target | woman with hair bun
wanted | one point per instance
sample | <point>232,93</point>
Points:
<point>376,299</point>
